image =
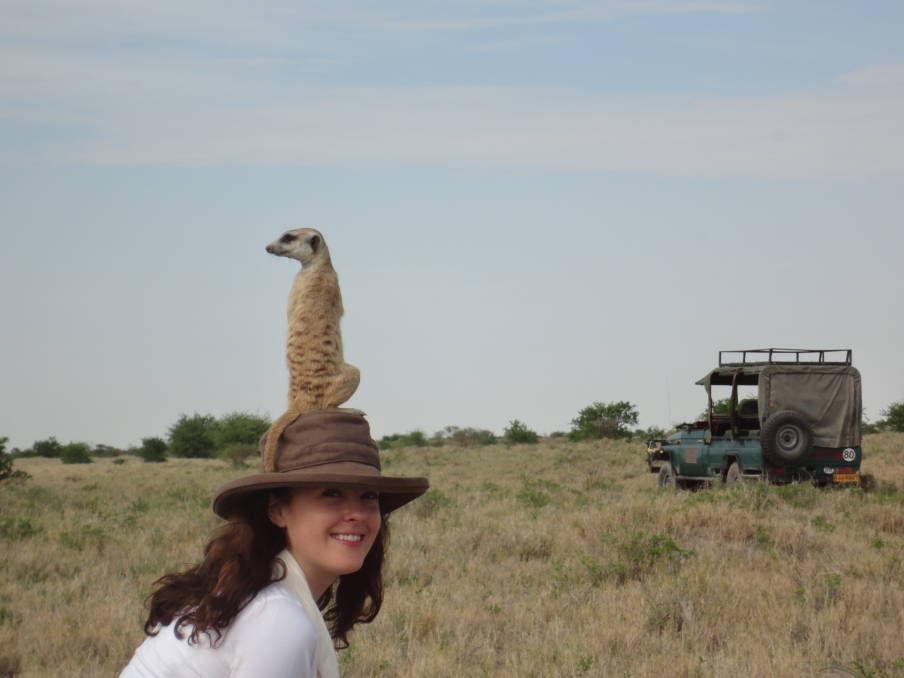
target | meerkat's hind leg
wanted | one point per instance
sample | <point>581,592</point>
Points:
<point>342,387</point>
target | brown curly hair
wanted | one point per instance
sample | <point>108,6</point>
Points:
<point>238,562</point>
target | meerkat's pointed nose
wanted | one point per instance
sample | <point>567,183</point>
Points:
<point>269,249</point>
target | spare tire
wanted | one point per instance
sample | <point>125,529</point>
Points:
<point>786,438</point>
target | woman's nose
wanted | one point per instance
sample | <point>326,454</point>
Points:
<point>358,508</point>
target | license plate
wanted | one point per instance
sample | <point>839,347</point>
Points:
<point>845,478</point>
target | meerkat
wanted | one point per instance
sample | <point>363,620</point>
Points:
<point>319,378</point>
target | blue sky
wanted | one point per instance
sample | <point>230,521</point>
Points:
<point>531,205</point>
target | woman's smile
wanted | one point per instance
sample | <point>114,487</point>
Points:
<point>329,530</point>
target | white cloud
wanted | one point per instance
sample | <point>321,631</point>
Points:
<point>578,12</point>
<point>148,111</point>
<point>135,106</point>
<point>270,21</point>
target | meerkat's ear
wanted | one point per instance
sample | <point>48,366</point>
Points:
<point>314,242</point>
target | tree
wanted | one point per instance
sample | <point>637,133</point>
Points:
<point>651,433</point>
<point>469,436</point>
<point>240,428</point>
<point>101,450</point>
<point>6,463</point>
<point>238,455</point>
<point>152,450</point>
<point>76,453</point>
<point>894,416</point>
<point>46,448</point>
<point>518,432</point>
<point>193,436</point>
<point>720,406</point>
<point>414,438</point>
<point>604,420</point>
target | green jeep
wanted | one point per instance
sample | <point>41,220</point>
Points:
<point>802,422</point>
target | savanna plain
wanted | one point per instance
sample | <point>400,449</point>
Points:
<point>549,560</point>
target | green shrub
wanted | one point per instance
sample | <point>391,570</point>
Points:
<point>87,536</point>
<point>641,553</point>
<point>6,464</point>
<point>518,432</point>
<point>75,453</point>
<point>46,448</point>
<point>414,438</point>
<point>469,437</point>
<point>430,502</point>
<point>101,450</point>
<point>894,416</point>
<point>532,496</point>
<point>152,450</point>
<point>239,428</point>
<point>238,455</point>
<point>193,436</point>
<point>603,420</point>
<point>13,529</point>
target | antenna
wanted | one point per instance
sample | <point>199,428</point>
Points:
<point>668,403</point>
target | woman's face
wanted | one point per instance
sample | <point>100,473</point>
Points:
<point>329,530</point>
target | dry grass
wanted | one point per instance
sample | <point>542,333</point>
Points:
<point>553,560</point>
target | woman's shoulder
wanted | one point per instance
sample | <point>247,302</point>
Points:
<point>275,605</point>
<point>273,636</point>
<point>273,614</point>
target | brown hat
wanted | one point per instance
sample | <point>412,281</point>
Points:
<point>324,447</point>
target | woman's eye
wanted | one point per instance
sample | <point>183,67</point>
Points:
<point>331,492</point>
<point>371,496</point>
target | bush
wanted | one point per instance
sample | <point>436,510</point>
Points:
<point>193,436</point>
<point>603,420</point>
<point>652,433</point>
<point>101,450</point>
<point>6,463</point>
<point>238,454</point>
<point>469,436</point>
<point>46,448</point>
<point>75,453</point>
<point>395,440</point>
<point>152,450</point>
<point>894,416</point>
<point>518,432</point>
<point>239,428</point>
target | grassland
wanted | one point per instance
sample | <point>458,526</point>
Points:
<point>553,560</point>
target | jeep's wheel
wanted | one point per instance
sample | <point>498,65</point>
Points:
<point>667,478</point>
<point>787,438</point>
<point>733,475</point>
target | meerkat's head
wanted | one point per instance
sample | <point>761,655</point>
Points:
<point>303,244</point>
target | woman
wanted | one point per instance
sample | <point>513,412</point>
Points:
<point>305,536</point>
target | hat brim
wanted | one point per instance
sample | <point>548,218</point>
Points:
<point>394,492</point>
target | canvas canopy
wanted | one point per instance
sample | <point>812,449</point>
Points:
<point>829,398</point>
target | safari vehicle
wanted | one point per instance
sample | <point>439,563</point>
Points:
<point>803,424</point>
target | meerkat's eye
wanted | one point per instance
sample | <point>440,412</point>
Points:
<point>288,237</point>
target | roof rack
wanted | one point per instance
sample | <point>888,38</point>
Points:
<point>785,356</point>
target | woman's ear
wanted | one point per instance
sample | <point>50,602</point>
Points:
<point>275,511</point>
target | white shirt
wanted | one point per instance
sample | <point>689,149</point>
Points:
<point>271,637</point>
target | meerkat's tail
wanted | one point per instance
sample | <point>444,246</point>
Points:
<point>268,451</point>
